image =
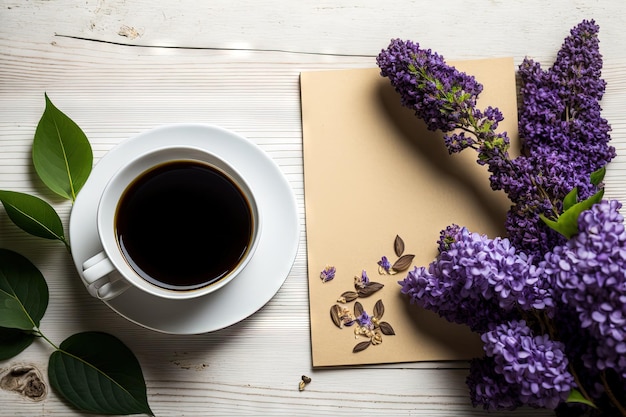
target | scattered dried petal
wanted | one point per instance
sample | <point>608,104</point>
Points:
<point>377,339</point>
<point>386,328</point>
<point>301,386</point>
<point>361,346</point>
<point>379,309</point>
<point>398,246</point>
<point>403,263</point>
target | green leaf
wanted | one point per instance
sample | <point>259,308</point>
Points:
<point>570,199</point>
<point>62,154</point>
<point>13,342</point>
<point>598,176</point>
<point>97,373</point>
<point>33,215</point>
<point>23,292</point>
<point>576,396</point>
<point>567,223</point>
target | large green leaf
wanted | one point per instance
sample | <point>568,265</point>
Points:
<point>61,153</point>
<point>567,222</point>
<point>13,341</point>
<point>23,292</point>
<point>33,215</point>
<point>97,373</point>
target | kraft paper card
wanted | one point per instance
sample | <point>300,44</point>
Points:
<point>373,171</point>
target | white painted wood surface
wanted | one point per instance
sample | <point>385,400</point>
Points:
<point>236,64</point>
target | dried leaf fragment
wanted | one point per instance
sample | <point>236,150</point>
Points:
<point>358,309</point>
<point>129,32</point>
<point>335,315</point>
<point>348,297</point>
<point>403,263</point>
<point>369,289</point>
<point>398,246</point>
<point>303,381</point>
<point>386,328</point>
<point>379,309</point>
<point>361,346</point>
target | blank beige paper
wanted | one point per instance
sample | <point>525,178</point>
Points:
<point>373,171</point>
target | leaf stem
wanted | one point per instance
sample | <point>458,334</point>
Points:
<point>39,333</point>
<point>611,396</point>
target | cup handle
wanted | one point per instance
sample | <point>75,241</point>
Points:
<point>96,272</point>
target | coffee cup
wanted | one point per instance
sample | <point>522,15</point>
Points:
<point>177,222</point>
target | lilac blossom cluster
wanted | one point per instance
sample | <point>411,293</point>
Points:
<point>565,137</point>
<point>476,280</point>
<point>534,365</point>
<point>550,306</point>
<point>588,274</point>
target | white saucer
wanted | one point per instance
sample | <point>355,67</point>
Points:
<point>256,284</point>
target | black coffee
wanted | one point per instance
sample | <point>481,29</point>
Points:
<point>183,225</point>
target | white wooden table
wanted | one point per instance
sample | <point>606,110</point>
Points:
<point>118,67</point>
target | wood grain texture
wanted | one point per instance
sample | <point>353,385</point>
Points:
<point>236,64</point>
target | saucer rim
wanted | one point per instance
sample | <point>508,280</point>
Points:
<point>275,263</point>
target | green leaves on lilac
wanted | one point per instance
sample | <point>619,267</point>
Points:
<point>62,155</point>
<point>33,215</point>
<point>97,373</point>
<point>576,396</point>
<point>567,223</point>
<point>598,176</point>
<point>23,292</point>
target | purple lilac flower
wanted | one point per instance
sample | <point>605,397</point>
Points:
<point>489,389</point>
<point>476,280</point>
<point>365,320</point>
<point>535,364</point>
<point>564,136</point>
<point>384,264</point>
<point>363,280</point>
<point>438,94</point>
<point>328,273</point>
<point>589,274</point>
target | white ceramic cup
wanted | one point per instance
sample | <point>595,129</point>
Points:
<point>109,273</point>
